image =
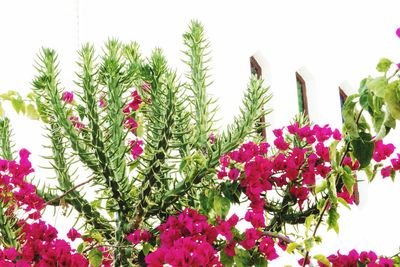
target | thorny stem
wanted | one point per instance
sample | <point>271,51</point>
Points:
<point>69,191</point>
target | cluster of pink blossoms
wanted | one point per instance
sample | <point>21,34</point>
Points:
<point>382,152</point>
<point>186,240</point>
<point>38,240</point>
<point>15,192</point>
<point>189,240</point>
<point>296,167</point>
<point>368,259</point>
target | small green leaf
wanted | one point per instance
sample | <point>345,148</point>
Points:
<point>18,104</point>
<point>323,260</point>
<point>31,112</point>
<point>343,202</point>
<point>378,86</point>
<point>260,262</point>
<point>384,65</point>
<point>309,243</point>
<point>9,95</point>
<point>392,100</point>
<point>226,260</point>
<point>95,257</point>
<point>242,258</point>
<point>308,221</point>
<point>320,187</point>
<point>363,149</point>
<point>349,116</point>
<point>333,217</point>
<point>221,206</point>
<point>349,180</point>
<point>291,247</point>
<point>147,247</point>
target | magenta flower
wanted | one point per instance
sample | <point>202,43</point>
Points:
<point>68,97</point>
<point>398,32</point>
<point>73,234</point>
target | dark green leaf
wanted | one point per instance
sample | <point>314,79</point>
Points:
<point>226,260</point>
<point>363,149</point>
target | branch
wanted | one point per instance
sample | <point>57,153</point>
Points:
<point>69,191</point>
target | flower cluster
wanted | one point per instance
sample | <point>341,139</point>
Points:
<point>186,240</point>
<point>354,258</point>
<point>296,165</point>
<point>15,192</point>
<point>38,241</point>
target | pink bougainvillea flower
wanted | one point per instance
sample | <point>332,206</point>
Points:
<point>73,234</point>
<point>68,97</point>
<point>136,148</point>
<point>398,32</point>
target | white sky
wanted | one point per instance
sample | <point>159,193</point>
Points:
<point>335,41</point>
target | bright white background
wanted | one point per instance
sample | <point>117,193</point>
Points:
<point>332,42</point>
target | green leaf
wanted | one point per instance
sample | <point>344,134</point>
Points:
<point>97,236</point>
<point>95,257</point>
<point>221,206</point>
<point>309,243</point>
<point>291,247</point>
<point>378,86</point>
<point>242,258</point>
<point>343,202</point>
<point>260,262</point>
<point>392,99</point>
<point>9,95</point>
<point>333,217</point>
<point>320,187</point>
<point>363,149</point>
<point>308,221</point>
<point>349,180</point>
<point>333,154</point>
<point>18,104</point>
<point>31,112</point>
<point>226,260</point>
<point>349,116</point>
<point>384,65</point>
<point>147,247</point>
<point>321,258</point>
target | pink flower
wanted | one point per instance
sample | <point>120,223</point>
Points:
<point>68,97</point>
<point>136,149</point>
<point>256,219</point>
<point>280,143</point>
<point>11,253</point>
<point>398,32</point>
<point>267,248</point>
<point>385,172</point>
<point>233,174</point>
<point>73,234</point>
<point>134,237</point>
